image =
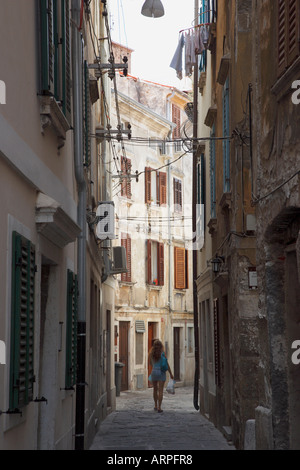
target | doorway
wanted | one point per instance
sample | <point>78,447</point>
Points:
<point>176,353</point>
<point>123,352</point>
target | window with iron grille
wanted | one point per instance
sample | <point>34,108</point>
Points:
<point>22,322</point>
<point>56,52</point>
<point>71,329</point>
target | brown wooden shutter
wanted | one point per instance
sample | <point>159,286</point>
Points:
<point>126,242</point>
<point>128,185</point>
<point>176,120</point>
<point>179,259</point>
<point>293,35</point>
<point>147,185</point>
<point>282,14</point>
<point>149,273</point>
<point>162,188</point>
<point>160,264</point>
<point>123,181</point>
<point>186,269</point>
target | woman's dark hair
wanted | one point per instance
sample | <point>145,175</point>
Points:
<point>156,350</point>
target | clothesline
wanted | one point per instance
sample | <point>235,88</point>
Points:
<point>196,26</point>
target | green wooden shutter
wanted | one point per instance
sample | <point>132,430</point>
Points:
<point>71,329</point>
<point>22,322</point>
<point>66,59</point>
<point>48,46</point>
<point>87,114</point>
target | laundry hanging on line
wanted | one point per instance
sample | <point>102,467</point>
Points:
<point>192,43</point>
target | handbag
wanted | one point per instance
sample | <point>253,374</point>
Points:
<point>164,363</point>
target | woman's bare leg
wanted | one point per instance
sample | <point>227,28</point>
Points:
<point>160,393</point>
<point>155,393</point>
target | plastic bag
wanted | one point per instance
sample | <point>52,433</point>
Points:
<point>170,387</point>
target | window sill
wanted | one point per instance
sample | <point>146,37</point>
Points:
<point>126,284</point>
<point>282,86</point>
<point>153,287</point>
<point>52,115</point>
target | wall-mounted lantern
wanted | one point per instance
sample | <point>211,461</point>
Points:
<point>216,263</point>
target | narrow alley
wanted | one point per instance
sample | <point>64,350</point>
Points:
<point>136,426</point>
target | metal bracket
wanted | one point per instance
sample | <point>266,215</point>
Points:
<point>42,399</point>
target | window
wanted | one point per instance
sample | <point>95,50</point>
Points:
<point>155,263</point>
<point>55,52</point>
<point>126,181</point>
<point>212,170</point>
<point>155,187</point>
<point>181,268</point>
<point>22,322</point>
<point>200,228</point>
<point>126,242</point>
<point>176,120</point>
<point>288,33</point>
<point>71,329</point>
<point>177,188</point>
<point>226,143</point>
<point>190,339</point>
<point>87,115</point>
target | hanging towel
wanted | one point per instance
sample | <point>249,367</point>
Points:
<point>199,46</point>
<point>188,55</point>
<point>205,35</point>
<point>176,62</point>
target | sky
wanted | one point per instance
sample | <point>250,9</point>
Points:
<point>154,40</point>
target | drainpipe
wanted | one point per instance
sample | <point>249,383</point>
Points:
<point>169,116</point>
<point>81,214</point>
<point>194,216</point>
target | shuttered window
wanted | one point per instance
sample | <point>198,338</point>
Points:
<point>71,329</point>
<point>155,263</point>
<point>55,52</point>
<point>126,242</point>
<point>212,171</point>
<point>160,195</point>
<point>177,188</point>
<point>126,181</point>
<point>226,142</point>
<point>288,48</point>
<point>181,268</point>
<point>22,322</point>
<point>176,120</point>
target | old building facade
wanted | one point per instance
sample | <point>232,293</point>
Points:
<point>56,317</point>
<point>154,298</point>
<point>276,198</point>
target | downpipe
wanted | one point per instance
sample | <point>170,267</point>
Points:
<point>81,215</point>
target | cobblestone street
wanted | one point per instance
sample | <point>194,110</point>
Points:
<point>136,426</point>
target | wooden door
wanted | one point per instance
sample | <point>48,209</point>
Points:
<point>177,353</point>
<point>108,356</point>
<point>123,352</point>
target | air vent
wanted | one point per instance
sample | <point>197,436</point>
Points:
<point>140,326</point>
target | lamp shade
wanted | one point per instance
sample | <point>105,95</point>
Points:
<point>153,9</point>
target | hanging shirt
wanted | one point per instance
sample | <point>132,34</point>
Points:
<point>176,62</point>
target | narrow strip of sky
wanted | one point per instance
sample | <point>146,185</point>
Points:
<point>154,40</point>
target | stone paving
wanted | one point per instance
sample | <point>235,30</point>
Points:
<point>136,426</point>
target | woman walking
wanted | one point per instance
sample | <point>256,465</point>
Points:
<point>158,376</point>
